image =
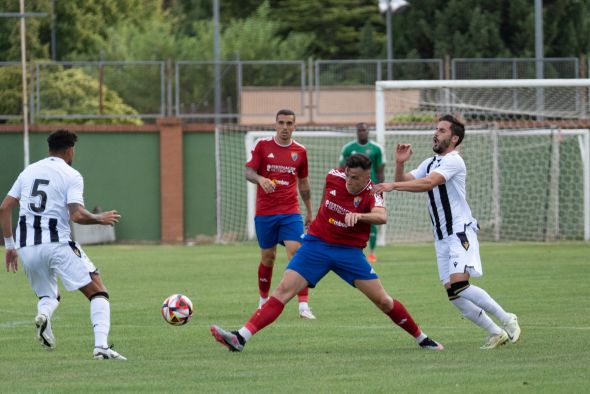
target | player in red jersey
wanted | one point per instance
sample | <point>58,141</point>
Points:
<point>278,165</point>
<point>334,242</point>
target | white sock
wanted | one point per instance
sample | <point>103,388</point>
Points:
<point>476,315</point>
<point>303,306</point>
<point>245,333</point>
<point>100,315</point>
<point>262,301</point>
<point>481,298</point>
<point>46,306</point>
<point>421,337</point>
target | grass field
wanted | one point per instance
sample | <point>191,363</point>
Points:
<point>352,347</point>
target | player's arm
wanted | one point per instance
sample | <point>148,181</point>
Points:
<point>252,176</point>
<point>416,185</point>
<point>381,173</point>
<point>305,193</point>
<point>11,258</point>
<point>403,152</point>
<point>81,215</point>
<point>378,215</point>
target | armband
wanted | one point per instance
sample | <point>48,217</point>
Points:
<point>9,243</point>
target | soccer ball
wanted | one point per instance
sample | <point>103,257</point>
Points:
<point>177,309</point>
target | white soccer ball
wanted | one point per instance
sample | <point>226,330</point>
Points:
<point>177,309</point>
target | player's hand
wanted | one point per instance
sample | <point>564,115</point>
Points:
<point>352,218</point>
<point>109,218</point>
<point>11,260</point>
<point>382,187</point>
<point>267,185</point>
<point>403,152</point>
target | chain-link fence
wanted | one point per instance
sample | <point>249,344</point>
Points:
<point>514,68</point>
<point>248,92</point>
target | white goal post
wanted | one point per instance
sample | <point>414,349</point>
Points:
<point>546,118</point>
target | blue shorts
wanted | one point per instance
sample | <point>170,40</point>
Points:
<point>271,230</point>
<point>315,258</point>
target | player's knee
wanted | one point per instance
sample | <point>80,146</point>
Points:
<point>99,294</point>
<point>451,294</point>
<point>384,303</point>
<point>458,287</point>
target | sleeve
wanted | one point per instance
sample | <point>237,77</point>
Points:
<point>420,172</point>
<point>303,167</point>
<point>451,166</point>
<point>254,160</point>
<point>378,201</point>
<point>75,194</point>
<point>15,190</point>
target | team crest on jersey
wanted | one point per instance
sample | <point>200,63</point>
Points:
<point>75,249</point>
<point>294,156</point>
<point>357,201</point>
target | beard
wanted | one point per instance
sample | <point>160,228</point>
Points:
<point>441,147</point>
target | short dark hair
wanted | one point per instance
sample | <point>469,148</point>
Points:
<point>61,140</point>
<point>362,126</point>
<point>285,112</point>
<point>457,128</point>
<point>359,160</point>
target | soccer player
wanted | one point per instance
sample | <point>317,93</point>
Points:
<point>443,178</point>
<point>278,165</point>
<point>374,152</point>
<point>334,242</point>
<point>50,193</point>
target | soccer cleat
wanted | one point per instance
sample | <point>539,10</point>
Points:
<point>306,314</point>
<point>430,344</point>
<point>228,339</point>
<point>512,328</point>
<point>372,258</point>
<point>493,341</point>
<point>102,353</point>
<point>44,332</point>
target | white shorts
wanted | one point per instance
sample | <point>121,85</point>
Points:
<point>457,254</point>
<point>45,262</point>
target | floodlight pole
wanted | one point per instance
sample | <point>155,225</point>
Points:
<point>216,59</point>
<point>390,7</point>
<point>23,56</point>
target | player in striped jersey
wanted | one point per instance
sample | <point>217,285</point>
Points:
<point>278,166</point>
<point>50,193</point>
<point>443,177</point>
<point>334,242</point>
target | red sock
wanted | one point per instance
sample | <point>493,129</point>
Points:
<point>400,316</point>
<point>265,315</point>
<point>264,279</point>
<point>303,295</point>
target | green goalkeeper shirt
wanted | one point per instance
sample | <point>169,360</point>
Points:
<point>371,149</point>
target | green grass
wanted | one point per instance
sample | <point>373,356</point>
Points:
<point>352,347</point>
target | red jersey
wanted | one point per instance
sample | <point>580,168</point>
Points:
<point>329,223</point>
<point>283,165</point>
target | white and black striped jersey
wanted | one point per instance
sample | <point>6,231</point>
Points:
<point>447,204</point>
<point>44,190</point>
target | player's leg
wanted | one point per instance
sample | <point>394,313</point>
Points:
<point>77,272</point>
<point>306,268</point>
<point>373,244</point>
<point>43,281</point>
<point>352,266</point>
<point>290,285</point>
<point>464,262</point>
<point>265,268</point>
<point>303,296</point>
<point>291,230</point>
<point>267,235</point>
<point>396,311</point>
